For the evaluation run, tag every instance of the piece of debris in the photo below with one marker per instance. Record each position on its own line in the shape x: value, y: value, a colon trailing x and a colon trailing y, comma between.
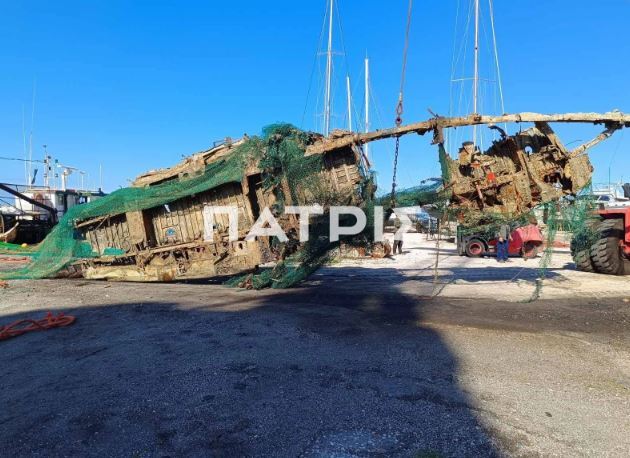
x: 4, y: 284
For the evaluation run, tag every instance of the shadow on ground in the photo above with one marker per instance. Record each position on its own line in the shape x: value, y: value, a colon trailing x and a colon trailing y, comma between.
x: 331, y: 370
x: 387, y: 276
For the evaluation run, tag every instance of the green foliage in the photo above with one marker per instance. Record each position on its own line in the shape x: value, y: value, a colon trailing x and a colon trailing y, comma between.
x: 430, y: 193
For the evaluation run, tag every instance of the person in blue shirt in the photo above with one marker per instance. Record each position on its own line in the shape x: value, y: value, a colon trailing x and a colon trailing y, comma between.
x: 503, y: 241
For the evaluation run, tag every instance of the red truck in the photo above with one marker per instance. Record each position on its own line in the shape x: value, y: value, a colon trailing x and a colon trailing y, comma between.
x: 526, y: 241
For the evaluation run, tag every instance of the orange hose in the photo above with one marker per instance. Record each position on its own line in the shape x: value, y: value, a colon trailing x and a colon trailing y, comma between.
x: 20, y: 327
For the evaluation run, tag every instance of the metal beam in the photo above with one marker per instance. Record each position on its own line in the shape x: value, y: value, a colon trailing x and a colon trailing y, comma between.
x: 611, y: 119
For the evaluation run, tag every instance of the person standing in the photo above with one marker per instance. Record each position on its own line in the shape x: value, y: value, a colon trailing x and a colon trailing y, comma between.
x: 398, y: 238
x: 503, y: 241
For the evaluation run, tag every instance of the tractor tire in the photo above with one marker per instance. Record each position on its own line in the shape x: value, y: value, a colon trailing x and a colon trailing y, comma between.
x: 605, y: 251
x: 475, y: 248
x: 581, y: 253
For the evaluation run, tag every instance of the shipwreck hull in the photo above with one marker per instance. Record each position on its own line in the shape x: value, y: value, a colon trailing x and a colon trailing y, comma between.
x: 173, y: 241
x: 156, y: 231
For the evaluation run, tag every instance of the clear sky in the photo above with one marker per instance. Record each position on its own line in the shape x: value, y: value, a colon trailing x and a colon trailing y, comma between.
x: 134, y: 85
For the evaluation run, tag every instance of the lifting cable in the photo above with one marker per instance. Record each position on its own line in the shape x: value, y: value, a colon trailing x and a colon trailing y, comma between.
x: 399, y: 107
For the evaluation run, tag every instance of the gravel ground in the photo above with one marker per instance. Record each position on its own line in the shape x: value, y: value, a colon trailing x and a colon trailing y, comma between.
x: 364, y: 360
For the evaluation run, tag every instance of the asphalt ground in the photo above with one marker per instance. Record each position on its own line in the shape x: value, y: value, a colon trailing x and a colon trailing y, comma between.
x: 362, y: 360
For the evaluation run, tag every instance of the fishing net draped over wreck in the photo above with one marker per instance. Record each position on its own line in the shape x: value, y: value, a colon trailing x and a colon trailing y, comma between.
x: 157, y: 230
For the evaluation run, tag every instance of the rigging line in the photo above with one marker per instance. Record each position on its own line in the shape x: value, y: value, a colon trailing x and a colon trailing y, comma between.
x: 310, y: 83
x: 616, y: 149
x: 496, y: 58
x: 18, y: 159
x: 450, y: 86
x: 455, y: 54
x: 343, y: 46
x: 341, y: 39
x: 319, y: 97
x: 379, y: 115
x: 30, y: 146
x: 460, y: 48
x: 26, y: 168
x: 399, y: 107
x: 464, y: 102
x: 404, y: 63
x: 358, y: 114
x: 464, y: 49
x: 375, y: 104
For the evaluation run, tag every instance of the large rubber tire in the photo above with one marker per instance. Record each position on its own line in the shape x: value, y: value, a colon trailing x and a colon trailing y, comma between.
x: 530, y: 250
x: 475, y: 248
x: 581, y: 253
x: 605, y: 251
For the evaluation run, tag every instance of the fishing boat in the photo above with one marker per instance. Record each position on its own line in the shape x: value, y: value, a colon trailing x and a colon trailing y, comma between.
x: 29, y: 212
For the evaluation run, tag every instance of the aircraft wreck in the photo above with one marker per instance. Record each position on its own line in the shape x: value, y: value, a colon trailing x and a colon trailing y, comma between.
x: 157, y: 230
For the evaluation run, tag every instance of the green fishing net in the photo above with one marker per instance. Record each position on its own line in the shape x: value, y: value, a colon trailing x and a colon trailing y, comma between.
x: 287, y: 170
x: 13, y: 249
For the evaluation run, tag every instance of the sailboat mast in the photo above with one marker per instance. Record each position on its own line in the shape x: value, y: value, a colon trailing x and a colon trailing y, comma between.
x: 328, y: 71
x: 349, y: 94
x: 476, y: 76
x: 367, y: 103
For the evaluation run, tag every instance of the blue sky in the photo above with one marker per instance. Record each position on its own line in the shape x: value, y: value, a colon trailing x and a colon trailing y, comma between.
x: 136, y: 85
